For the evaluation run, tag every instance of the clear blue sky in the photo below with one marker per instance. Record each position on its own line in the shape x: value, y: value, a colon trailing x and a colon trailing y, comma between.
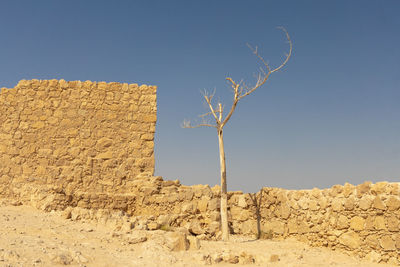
x: 330, y: 117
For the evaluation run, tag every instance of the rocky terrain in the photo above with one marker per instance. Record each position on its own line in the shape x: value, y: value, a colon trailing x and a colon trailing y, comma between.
x: 29, y: 237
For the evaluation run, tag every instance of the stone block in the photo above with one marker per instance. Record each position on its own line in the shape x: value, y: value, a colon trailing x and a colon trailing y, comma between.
x: 189, y: 208
x: 283, y: 211
x: 378, y: 204
x: 240, y: 214
x: 393, y: 203
x: 342, y: 222
x: 202, y: 204
x: 214, y: 204
x: 277, y: 227
x: 379, y: 223
x: 397, y: 241
x: 357, y: 223
x: 176, y: 241
x: 313, y: 205
x: 249, y: 227
x: 303, y: 203
x: 194, y: 243
x: 365, y: 203
x: 337, y: 204
x: 378, y: 188
x: 196, y: 227
x: 105, y: 155
x: 372, y: 241
x: 103, y: 143
x: 351, y: 240
x: 38, y: 125
x: 242, y: 201
x: 392, y: 223
x: 363, y: 189
x: 387, y: 243
x: 349, y: 203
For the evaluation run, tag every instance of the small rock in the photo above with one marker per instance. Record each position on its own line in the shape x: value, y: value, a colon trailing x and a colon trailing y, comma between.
x: 202, y: 258
x: 115, y: 234
x: 213, y: 228
x: 66, y: 214
x: 153, y: 226
x: 194, y: 243
x: 136, y: 238
x: 16, y: 203
x: 62, y: 258
x: 127, y: 226
x: 216, y: 258
x: 274, y: 258
x: 230, y: 258
x: 80, y: 258
x: 164, y: 219
x: 141, y: 225
x: 176, y: 241
x: 196, y: 228
x: 245, y: 258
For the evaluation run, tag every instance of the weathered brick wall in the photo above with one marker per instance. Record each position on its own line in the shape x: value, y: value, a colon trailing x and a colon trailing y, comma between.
x: 75, y: 136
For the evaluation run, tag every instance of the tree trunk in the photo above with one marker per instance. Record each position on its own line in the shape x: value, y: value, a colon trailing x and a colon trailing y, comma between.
x: 224, y: 196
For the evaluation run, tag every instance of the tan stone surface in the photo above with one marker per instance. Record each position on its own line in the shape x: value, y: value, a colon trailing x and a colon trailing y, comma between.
x: 351, y: 240
x: 81, y: 126
x: 357, y: 223
x: 387, y: 243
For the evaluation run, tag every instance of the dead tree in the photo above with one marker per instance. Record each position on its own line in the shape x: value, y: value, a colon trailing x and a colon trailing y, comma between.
x: 240, y: 90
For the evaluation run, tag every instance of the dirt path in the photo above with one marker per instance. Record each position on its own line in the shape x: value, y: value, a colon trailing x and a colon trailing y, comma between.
x: 29, y: 237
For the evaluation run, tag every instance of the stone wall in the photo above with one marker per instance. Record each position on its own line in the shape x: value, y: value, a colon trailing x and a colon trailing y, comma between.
x: 75, y: 136
x: 360, y: 220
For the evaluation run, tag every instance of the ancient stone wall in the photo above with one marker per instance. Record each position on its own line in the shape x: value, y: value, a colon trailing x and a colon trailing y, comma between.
x: 75, y: 136
x: 361, y: 220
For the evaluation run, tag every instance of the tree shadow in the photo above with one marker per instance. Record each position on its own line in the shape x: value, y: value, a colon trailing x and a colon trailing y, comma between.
x: 257, y: 204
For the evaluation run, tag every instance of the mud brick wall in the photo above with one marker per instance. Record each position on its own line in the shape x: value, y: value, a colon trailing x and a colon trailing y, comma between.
x: 75, y: 136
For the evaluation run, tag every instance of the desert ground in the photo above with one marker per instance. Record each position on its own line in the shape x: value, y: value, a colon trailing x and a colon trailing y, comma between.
x: 30, y: 237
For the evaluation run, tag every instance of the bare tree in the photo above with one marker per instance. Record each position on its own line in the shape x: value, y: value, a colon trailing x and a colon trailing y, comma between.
x: 240, y: 90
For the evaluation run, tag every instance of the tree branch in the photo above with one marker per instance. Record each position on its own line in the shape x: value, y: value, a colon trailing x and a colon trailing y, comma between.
x: 208, y: 99
x: 264, y: 75
x: 235, y: 100
x: 187, y: 124
x: 240, y: 89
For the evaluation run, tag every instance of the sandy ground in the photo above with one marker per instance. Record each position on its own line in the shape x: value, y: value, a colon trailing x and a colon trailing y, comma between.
x: 29, y: 237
